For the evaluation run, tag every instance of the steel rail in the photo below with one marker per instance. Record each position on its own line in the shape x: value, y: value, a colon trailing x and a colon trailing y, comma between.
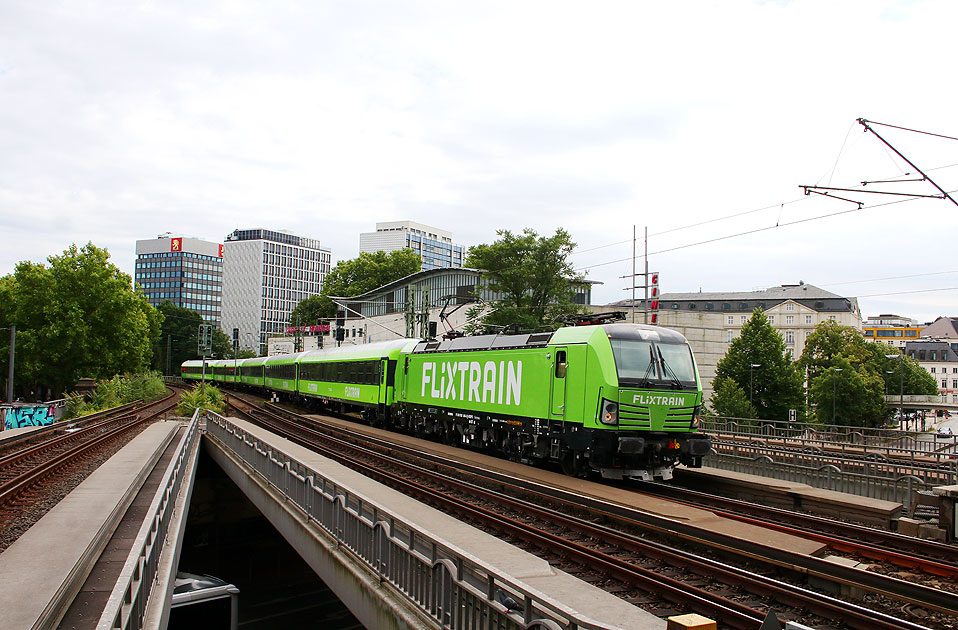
x: 878, y: 540
x: 13, y: 487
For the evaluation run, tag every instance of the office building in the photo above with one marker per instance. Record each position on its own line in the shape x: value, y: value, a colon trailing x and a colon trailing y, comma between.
x: 186, y: 271
x: 711, y: 321
x: 266, y: 273
x: 893, y: 330
x: 433, y: 245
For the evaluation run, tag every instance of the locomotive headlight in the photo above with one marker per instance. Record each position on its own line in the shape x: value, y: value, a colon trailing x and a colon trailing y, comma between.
x: 610, y: 412
x: 695, y: 416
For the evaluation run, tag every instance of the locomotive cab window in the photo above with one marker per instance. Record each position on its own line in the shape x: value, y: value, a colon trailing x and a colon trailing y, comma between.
x: 639, y: 362
x: 561, y: 364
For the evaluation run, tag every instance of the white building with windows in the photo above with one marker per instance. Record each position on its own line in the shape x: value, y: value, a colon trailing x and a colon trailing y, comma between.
x: 711, y: 321
x: 433, y: 245
x: 940, y: 358
x: 266, y: 273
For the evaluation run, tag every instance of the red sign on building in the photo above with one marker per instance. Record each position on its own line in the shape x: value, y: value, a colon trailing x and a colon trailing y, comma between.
x: 176, y: 244
x: 221, y: 250
x: 321, y: 328
x: 654, y: 298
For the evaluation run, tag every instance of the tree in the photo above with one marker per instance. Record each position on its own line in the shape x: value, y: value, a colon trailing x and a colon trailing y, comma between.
x: 311, y: 310
x: 902, y: 374
x: 178, y: 337
x: 352, y: 277
x: 848, y: 393
x: 866, y: 374
x: 758, y: 363
x: 77, y: 317
x: 829, y: 340
x: 534, y: 276
x: 730, y: 400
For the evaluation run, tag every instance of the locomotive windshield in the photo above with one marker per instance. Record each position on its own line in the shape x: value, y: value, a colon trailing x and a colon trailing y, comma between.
x: 643, y: 363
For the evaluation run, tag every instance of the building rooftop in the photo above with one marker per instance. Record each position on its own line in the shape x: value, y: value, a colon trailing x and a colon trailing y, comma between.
x: 818, y: 298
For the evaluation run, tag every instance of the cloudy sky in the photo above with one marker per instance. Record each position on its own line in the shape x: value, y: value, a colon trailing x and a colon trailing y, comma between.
x: 696, y: 120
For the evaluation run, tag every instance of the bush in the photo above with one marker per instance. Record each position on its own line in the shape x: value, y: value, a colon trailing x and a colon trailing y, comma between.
x: 202, y: 397
x: 114, y: 392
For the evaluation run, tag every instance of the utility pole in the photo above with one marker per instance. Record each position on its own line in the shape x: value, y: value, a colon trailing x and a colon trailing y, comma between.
x: 13, y: 344
x: 645, y: 274
x: 633, y: 273
x: 645, y: 313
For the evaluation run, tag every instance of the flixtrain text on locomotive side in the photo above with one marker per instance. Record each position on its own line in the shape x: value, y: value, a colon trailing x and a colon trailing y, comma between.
x: 620, y: 399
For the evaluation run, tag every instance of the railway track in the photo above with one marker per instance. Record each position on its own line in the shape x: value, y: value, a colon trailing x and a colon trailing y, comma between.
x: 928, y: 556
x: 618, y: 548
x: 36, y: 476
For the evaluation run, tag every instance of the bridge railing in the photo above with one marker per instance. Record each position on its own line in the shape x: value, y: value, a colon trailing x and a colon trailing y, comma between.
x: 127, y: 603
x: 443, y: 582
x: 894, y: 442
x: 874, y: 475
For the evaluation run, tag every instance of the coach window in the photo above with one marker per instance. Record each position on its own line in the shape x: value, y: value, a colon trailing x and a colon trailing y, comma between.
x: 561, y: 364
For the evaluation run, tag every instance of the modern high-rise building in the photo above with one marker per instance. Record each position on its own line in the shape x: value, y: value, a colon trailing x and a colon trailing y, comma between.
x: 433, y: 245
x: 186, y: 271
x: 266, y: 273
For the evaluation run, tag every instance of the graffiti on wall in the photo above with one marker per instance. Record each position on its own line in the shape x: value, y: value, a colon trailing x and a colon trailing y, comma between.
x: 29, y: 416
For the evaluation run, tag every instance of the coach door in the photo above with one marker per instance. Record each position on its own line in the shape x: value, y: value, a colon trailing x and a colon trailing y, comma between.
x: 559, y: 367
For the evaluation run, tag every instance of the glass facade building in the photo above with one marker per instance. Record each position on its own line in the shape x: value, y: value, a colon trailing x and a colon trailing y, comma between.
x: 433, y: 245
x: 186, y: 271
x: 266, y: 273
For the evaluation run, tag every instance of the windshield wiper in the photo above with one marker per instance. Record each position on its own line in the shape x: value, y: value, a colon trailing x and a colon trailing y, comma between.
x: 667, y: 370
x: 644, y: 381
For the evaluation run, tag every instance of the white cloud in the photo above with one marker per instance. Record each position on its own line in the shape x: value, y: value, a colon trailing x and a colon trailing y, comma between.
x: 119, y: 122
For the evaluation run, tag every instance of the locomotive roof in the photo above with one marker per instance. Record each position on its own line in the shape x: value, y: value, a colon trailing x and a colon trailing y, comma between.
x: 643, y: 332
x: 485, y: 342
x: 363, y: 351
x: 571, y: 334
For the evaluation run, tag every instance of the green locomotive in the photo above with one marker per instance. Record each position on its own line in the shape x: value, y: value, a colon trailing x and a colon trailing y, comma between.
x: 620, y: 399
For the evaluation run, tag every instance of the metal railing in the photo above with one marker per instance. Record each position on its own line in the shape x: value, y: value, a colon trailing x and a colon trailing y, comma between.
x: 448, y: 585
x: 127, y: 603
x: 886, y: 464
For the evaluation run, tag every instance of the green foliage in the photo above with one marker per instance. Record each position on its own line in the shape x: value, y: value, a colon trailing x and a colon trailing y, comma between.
x: 730, y: 400
x: 201, y: 397
x: 311, y: 310
x: 353, y: 277
x: 116, y: 391
x: 178, y: 333
x: 78, y: 317
x: 534, y: 276
x: 904, y: 375
x: 849, y: 393
x: 849, y: 377
x: 775, y: 382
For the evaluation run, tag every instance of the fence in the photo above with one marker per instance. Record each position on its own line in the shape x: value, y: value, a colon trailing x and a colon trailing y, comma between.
x: 879, y: 463
x: 453, y: 588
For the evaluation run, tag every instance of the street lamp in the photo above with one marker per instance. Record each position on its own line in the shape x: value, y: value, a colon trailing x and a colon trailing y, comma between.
x: 834, y: 391
x: 901, y: 384
x: 750, y: 367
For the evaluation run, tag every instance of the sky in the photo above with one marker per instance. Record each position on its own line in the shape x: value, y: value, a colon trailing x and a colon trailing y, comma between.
x: 694, y: 121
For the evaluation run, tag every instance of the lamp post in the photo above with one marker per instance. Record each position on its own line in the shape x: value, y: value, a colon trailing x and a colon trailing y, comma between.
x: 13, y: 345
x: 834, y: 391
x: 901, y: 384
x: 751, y: 366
